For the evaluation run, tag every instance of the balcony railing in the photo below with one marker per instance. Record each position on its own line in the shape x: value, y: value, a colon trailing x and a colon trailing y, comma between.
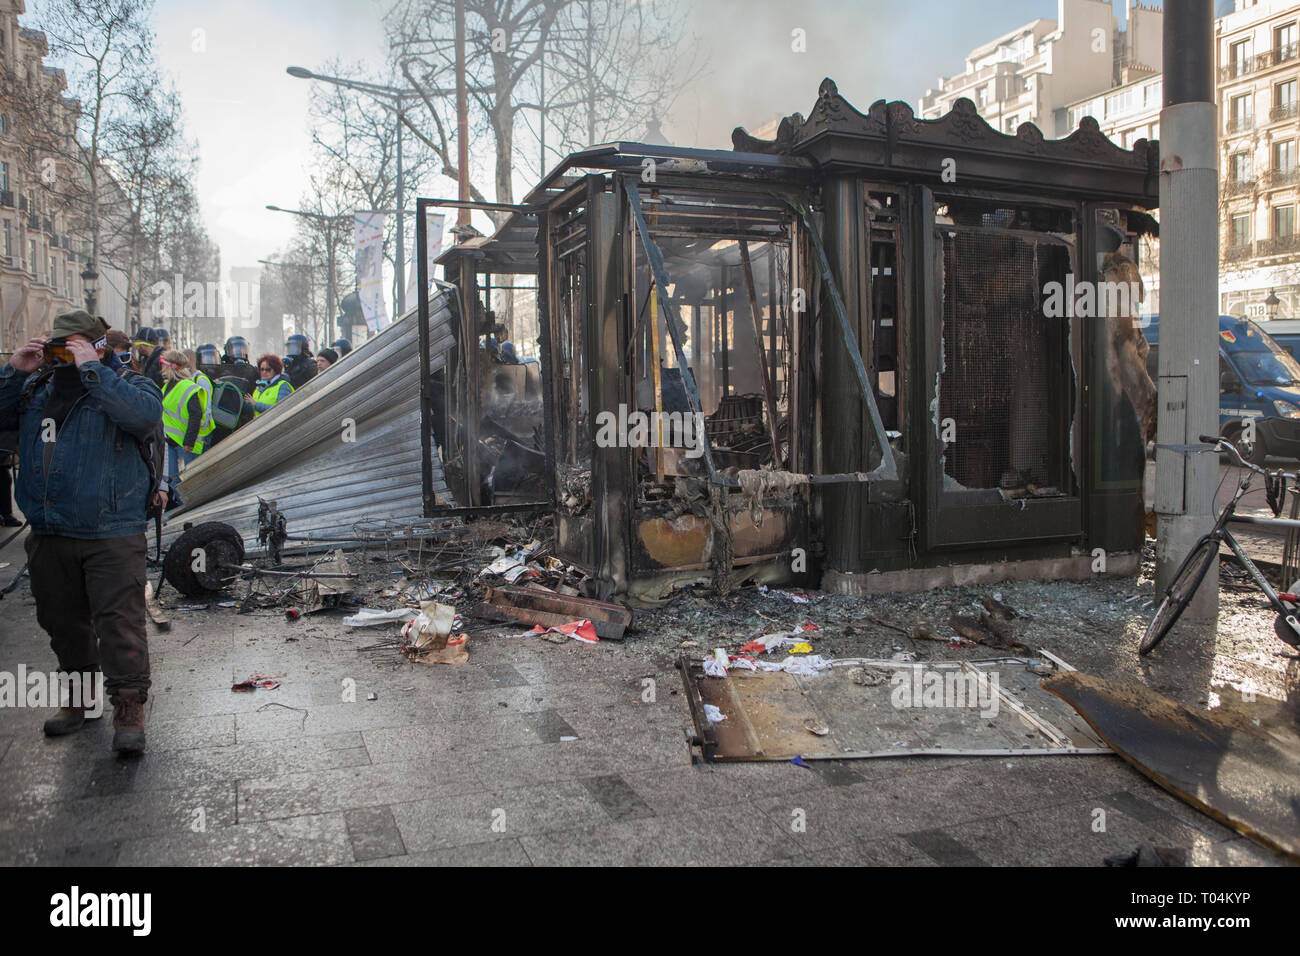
x: 1282, y: 177
x: 1238, y: 252
x: 1236, y: 187
x: 1276, y: 57
x: 1284, y: 111
x: 6, y: 198
x: 1237, y: 68
x: 1279, y: 245
x: 1241, y: 124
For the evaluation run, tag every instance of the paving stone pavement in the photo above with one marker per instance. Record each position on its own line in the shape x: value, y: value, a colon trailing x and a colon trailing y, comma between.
x: 532, y: 754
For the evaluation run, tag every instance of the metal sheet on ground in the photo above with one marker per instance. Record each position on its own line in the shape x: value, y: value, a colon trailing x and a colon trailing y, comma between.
x: 993, y: 708
x: 1247, y: 776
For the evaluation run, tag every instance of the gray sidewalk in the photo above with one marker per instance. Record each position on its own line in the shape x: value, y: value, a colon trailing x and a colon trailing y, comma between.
x: 474, y: 765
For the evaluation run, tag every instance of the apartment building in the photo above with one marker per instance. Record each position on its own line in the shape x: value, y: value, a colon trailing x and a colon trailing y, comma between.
x: 39, y: 262
x: 43, y: 249
x: 1033, y: 73
x: 1258, y: 70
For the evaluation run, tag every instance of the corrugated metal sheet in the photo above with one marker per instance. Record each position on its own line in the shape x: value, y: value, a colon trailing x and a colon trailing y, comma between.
x: 295, y: 453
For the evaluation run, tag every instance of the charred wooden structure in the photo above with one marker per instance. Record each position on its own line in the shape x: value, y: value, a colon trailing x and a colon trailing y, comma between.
x: 856, y: 316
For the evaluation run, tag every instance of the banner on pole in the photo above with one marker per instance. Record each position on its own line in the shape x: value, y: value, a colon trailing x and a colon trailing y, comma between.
x: 368, y: 231
x: 437, y: 221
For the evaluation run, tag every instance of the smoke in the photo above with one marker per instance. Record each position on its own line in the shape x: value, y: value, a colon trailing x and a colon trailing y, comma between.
x: 871, y: 48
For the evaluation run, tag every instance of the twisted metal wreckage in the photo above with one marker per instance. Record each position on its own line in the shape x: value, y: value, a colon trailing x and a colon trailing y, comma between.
x: 855, y: 312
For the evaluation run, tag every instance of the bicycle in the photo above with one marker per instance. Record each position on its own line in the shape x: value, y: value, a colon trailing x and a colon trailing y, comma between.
x: 1197, y: 563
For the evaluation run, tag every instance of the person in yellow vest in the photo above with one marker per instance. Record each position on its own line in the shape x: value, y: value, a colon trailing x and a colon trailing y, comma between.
x: 182, y: 401
x: 274, y: 386
x: 200, y: 378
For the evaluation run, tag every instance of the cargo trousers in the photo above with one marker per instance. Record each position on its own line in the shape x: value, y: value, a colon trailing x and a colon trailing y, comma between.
x: 90, y: 600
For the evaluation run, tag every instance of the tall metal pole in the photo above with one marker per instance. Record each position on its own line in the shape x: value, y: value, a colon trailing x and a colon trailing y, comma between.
x: 1189, y: 260
x: 401, y: 221
x: 329, y: 292
x: 462, y: 118
x: 541, y: 103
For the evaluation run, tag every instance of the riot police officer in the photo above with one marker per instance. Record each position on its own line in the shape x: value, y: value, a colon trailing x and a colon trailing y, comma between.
x: 299, y: 363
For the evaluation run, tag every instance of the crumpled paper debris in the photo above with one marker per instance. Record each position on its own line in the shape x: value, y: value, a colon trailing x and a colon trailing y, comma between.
x: 713, y: 714
x: 583, y: 631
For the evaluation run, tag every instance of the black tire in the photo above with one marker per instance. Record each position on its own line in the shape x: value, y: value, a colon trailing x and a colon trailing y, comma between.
x: 1179, y: 593
x: 221, y: 545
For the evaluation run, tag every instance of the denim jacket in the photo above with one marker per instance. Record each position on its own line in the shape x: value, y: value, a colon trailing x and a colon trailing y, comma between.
x: 91, y: 481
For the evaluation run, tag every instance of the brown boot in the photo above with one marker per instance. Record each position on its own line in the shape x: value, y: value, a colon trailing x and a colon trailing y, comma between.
x: 70, y: 719
x: 128, y: 722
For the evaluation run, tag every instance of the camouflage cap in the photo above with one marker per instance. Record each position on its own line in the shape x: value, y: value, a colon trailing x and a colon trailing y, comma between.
x: 80, y: 322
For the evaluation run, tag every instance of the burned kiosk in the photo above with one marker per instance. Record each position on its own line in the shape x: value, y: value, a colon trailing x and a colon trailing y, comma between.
x: 835, y: 357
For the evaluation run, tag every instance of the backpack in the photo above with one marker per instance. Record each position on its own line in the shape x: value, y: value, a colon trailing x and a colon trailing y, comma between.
x: 227, y: 404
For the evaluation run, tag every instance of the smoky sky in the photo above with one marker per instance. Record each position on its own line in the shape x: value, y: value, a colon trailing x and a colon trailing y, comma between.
x: 871, y: 48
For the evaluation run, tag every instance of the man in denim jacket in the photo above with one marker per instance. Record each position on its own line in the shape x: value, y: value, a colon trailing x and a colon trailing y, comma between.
x: 84, y: 486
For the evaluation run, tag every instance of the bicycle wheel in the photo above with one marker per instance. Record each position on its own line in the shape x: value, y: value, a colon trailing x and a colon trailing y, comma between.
x: 1179, y: 593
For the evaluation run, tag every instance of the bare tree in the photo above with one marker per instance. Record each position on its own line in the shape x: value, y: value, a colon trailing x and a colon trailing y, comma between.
x: 356, y: 145
x: 614, y: 65
x: 108, y: 50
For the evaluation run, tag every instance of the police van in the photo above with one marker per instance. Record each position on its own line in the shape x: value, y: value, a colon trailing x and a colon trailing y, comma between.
x: 1258, y: 378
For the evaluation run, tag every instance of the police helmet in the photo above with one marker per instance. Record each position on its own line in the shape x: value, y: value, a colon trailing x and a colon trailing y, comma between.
x: 236, y: 349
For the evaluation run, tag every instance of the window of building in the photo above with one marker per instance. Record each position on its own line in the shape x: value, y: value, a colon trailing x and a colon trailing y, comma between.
x: 53, y: 275
x: 1119, y: 103
x: 1284, y: 42
x: 1240, y: 235
x: 1242, y: 112
x: 1240, y: 166
x: 982, y: 97
x: 4, y: 176
x: 1284, y: 99
x: 1011, y: 123
x: 31, y: 256
x: 1283, y: 222
x: 4, y: 124
x: 8, y: 239
x: 1284, y: 156
x: 1239, y: 57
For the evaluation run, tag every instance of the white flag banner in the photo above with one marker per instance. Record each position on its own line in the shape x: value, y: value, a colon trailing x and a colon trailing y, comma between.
x: 368, y: 231
x: 436, y: 223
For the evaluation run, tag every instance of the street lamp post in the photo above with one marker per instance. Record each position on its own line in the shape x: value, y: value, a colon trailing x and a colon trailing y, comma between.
x: 89, y: 277
x: 329, y: 253
x: 394, y: 98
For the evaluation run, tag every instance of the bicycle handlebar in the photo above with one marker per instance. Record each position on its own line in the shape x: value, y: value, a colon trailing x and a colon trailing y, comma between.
x: 1222, y: 444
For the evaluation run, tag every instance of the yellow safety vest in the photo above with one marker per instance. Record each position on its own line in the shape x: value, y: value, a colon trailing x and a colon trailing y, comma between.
x: 272, y: 395
x: 176, y: 397
x: 209, y: 426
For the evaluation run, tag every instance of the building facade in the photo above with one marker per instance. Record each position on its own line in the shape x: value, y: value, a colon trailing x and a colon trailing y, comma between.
x: 1032, y: 73
x: 1127, y: 113
x: 1257, y: 56
x: 43, y: 249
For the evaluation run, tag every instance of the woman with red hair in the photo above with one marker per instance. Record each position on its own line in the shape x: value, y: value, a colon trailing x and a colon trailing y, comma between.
x: 274, y: 384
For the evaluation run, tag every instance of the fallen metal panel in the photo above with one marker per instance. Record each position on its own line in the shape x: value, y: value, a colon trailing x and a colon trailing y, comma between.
x: 1245, y: 775
x: 364, y: 385
x: 295, y: 454
x: 532, y: 606
x: 769, y: 715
